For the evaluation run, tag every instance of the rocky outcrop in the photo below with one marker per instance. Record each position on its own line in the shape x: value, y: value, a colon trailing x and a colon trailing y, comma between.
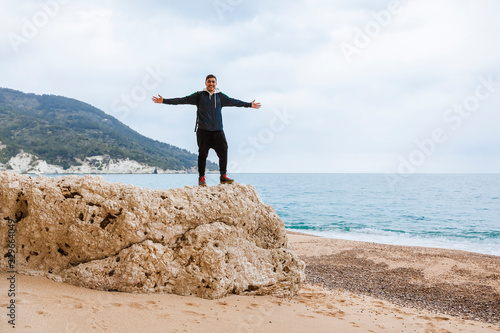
x: 208, y: 242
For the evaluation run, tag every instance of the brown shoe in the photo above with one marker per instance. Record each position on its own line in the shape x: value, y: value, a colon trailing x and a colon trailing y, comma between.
x: 224, y: 179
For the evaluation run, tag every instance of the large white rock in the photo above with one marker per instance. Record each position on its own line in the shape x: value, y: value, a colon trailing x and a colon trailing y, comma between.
x: 208, y: 242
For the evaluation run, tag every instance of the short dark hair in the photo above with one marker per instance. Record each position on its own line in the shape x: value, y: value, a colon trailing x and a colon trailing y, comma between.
x: 209, y: 76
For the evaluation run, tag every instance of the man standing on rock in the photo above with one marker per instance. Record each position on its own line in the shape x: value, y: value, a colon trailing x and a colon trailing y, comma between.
x: 209, y: 131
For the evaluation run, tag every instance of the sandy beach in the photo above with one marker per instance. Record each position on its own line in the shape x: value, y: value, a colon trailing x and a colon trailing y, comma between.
x: 351, y: 287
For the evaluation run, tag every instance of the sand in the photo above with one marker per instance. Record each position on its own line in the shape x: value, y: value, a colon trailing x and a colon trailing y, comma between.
x: 352, y: 287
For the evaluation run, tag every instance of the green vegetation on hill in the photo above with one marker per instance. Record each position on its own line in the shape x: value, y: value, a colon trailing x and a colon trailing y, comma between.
x: 59, y: 129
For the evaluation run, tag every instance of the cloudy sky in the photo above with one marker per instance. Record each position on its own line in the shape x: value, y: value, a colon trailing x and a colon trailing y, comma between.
x: 346, y: 86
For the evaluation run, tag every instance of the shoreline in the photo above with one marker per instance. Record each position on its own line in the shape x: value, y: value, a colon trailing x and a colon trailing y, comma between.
x: 397, y: 234
x: 484, y: 244
x: 293, y: 231
x: 336, y: 297
x: 452, y: 282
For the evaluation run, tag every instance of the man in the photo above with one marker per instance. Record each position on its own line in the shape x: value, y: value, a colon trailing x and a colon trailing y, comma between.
x: 209, y: 131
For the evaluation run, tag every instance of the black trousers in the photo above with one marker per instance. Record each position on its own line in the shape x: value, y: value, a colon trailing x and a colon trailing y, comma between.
x: 215, y: 140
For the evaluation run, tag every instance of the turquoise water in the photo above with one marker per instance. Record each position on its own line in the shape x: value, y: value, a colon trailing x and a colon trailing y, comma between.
x: 455, y: 211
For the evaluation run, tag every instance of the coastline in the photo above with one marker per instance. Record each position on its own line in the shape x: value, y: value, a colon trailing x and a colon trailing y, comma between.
x: 412, y: 241
x: 351, y: 287
x: 452, y: 282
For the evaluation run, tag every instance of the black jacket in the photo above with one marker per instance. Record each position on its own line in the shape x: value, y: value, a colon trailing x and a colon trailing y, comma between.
x: 209, y: 113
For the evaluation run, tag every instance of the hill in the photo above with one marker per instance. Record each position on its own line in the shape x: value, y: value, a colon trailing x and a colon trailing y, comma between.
x: 64, y: 132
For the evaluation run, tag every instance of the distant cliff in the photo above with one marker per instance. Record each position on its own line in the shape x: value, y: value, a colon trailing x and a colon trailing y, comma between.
x: 54, y: 134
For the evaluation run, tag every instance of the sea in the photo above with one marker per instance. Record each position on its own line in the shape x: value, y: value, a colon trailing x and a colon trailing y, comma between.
x: 451, y: 211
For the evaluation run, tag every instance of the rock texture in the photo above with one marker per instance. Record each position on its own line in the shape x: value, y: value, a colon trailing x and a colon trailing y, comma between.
x: 208, y: 242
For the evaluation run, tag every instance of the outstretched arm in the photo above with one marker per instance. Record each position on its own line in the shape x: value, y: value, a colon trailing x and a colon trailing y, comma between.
x: 228, y: 101
x: 191, y: 99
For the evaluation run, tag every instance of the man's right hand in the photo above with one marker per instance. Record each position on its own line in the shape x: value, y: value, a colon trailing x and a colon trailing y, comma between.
x: 158, y: 99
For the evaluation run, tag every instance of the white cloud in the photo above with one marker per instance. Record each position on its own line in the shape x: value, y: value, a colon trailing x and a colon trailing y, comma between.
x: 351, y: 117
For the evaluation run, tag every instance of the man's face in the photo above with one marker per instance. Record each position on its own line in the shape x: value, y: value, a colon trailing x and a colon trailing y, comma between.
x: 211, y: 83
